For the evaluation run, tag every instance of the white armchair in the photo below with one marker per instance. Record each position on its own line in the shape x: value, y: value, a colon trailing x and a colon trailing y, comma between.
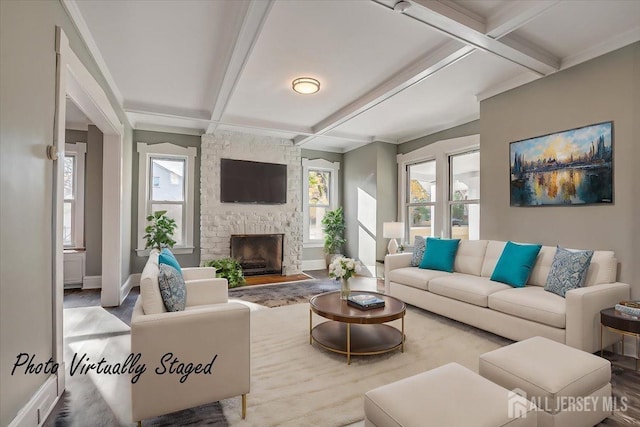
x: 211, y: 331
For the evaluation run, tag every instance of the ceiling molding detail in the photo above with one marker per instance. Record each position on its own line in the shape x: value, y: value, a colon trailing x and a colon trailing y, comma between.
x: 415, y: 73
x: 254, y: 19
x: 448, y: 21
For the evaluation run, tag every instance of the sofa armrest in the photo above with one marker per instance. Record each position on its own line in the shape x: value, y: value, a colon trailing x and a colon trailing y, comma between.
x: 218, y: 333
x: 393, y: 261
x: 197, y: 273
x: 583, y: 314
x: 206, y: 291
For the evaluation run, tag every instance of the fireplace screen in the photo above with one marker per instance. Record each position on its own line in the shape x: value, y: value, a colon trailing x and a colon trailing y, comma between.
x: 258, y: 253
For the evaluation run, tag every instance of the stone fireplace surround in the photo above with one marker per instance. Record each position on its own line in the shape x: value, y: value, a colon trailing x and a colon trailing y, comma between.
x: 218, y: 221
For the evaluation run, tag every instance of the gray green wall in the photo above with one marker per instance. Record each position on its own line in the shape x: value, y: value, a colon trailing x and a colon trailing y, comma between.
x: 370, y: 172
x: 602, y: 89
x: 187, y: 260
x: 318, y: 253
x: 471, y: 128
x: 92, y: 196
x: 27, y: 109
x: 93, y: 202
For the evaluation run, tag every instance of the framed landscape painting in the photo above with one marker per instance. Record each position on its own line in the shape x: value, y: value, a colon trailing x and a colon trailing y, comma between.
x: 573, y: 167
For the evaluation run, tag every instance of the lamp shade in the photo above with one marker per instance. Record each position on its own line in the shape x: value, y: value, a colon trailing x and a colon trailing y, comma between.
x: 393, y: 230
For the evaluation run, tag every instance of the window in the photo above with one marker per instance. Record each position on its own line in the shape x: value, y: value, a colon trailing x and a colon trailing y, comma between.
x: 320, y: 194
x: 166, y: 183
x: 464, y: 195
x: 441, y: 194
x: 421, y: 199
x: 73, y: 211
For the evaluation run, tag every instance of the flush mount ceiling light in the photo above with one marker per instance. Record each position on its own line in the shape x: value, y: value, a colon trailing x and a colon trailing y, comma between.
x: 305, y: 85
x: 402, y: 6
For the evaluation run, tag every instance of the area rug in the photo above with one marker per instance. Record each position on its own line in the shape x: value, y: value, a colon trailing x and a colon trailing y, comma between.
x: 296, y: 384
x: 283, y: 294
x: 276, y: 279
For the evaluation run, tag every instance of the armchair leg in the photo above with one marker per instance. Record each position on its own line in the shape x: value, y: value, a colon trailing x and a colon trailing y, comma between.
x: 244, y: 406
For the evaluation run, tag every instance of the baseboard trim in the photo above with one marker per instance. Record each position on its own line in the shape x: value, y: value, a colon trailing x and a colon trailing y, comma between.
x: 132, y: 281
x: 314, y: 264
x: 38, y: 408
x: 92, y: 282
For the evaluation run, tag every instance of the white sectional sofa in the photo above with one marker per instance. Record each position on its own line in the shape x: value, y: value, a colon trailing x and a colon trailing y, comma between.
x: 469, y: 295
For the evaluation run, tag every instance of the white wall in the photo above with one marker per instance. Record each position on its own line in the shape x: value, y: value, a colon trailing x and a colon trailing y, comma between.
x: 599, y: 90
x: 220, y: 220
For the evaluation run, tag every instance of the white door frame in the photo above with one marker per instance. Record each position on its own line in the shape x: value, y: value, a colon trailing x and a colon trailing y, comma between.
x: 74, y: 80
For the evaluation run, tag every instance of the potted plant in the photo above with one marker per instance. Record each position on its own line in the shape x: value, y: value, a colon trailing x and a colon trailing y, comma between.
x: 230, y: 269
x: 333, y: 227
x: 160, y: 231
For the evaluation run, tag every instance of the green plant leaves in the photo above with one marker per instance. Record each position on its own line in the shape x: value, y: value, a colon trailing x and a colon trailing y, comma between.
x: 230, y: 269
x: 333, y: 226
x: 160, y: 231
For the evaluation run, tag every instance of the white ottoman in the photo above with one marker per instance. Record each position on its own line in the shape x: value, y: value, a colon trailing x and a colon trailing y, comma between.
x: 450, y: 396
x: 570, y: 387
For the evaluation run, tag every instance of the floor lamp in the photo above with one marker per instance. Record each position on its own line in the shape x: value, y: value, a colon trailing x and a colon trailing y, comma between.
x: 393, y: 231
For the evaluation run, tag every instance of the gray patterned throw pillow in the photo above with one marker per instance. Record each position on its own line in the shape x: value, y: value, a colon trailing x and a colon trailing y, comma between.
x: 419, y: 245
x: 172, y: 288
x: 568, y: 270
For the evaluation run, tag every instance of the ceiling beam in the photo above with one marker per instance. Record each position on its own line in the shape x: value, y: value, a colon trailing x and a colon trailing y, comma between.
x: 407, y: 77
x: 252, y: 23
x: 514, y: 15
x: 239, y: 123
x: 448, y: 21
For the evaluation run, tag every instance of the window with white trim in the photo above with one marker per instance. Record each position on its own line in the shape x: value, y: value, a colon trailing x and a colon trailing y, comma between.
x: 166, y: 183
x: 319, y: 195
x: 464, y: 195
x: 440, y: 189
x: 73, y: 211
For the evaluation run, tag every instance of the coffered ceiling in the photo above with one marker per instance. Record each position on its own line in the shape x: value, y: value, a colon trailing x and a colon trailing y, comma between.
x: 385, y: 75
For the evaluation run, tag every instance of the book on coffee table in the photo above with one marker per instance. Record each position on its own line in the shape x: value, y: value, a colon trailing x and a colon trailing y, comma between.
x: 365, y: 302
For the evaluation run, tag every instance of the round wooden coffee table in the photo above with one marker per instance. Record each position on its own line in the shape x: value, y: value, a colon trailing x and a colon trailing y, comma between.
x: 355, y: 332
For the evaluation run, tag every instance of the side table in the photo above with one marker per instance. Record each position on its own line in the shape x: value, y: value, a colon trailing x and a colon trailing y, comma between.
x: 622, y: 324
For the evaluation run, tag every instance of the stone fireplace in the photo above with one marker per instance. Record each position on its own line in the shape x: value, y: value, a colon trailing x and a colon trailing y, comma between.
x: 258, y: 253
x: 219, y: 221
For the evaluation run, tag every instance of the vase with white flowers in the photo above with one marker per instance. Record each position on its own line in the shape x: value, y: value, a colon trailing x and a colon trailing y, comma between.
x: 343, y: 269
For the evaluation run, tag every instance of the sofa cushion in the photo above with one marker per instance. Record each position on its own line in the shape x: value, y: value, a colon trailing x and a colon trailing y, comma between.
x: 515, y: 263
x: 470, y: 256
x: 172, y: 288
x: 568, y: 271
x: 466, y: 287
x: 149, y: 290
x: 440, y: 254
x: 414, y: 276
x: 491, y: 257
x: 603, y: 268
x: 542, y: 266
x: 531, y: 303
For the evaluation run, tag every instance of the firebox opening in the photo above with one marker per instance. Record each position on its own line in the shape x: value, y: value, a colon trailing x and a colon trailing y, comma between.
x: 258, y: 253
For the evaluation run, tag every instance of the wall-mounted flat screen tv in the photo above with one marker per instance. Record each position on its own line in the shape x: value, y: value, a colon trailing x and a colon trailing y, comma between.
x: 243, y: 181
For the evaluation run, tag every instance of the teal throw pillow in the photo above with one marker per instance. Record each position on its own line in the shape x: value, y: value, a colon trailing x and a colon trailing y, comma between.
x: 440, y: 254
x: 568, y: 270
x: 167, y: 257
x: 172, y: 288
x: 515, y: 264
x: 418, y: 251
